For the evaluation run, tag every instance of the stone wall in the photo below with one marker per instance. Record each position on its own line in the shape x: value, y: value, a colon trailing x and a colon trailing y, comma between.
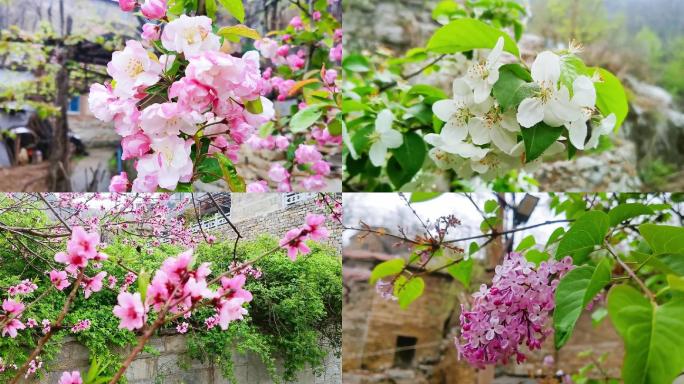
x: 172, y: 366
x: 256, y: 214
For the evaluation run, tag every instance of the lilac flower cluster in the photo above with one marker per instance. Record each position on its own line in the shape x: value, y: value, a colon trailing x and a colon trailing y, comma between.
x: 513, y: 312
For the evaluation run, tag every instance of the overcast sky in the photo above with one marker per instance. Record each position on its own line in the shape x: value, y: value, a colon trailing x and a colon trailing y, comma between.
x: 389, y: 210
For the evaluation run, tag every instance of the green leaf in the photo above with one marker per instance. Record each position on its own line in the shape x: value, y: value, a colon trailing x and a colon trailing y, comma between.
x: 335, y: 127
x: 467, y: 34
x: 571, y: 67
x: 419, y: 197
x: 431, y: 94
x: 536, y: 256
x: 510, y: 90
x: 653, y: 335
x: 611, y: 96
x: 538, y: 139
x: 491, y: 206
x: 387, y: 268
x: 254, y: 106
x: 526, y: 243
x: 356, y: 63
x: 584, y: 234
x: 406, y: 160
x: 235, y: 8
x: 598, y: 315
x: 211, y: 8
x: 303, y: 119
x: 575, y: 290
x: 663, y: 239
x: 675, y: 282
x: 209, y: 170
x: 408, y: 291
x: 143, y: 283
x: 627, y: 211
x: 557, y: 233
x: 473, y: 247
x: 462, y: 271
x: 235, y: 32
x: 235, y: 182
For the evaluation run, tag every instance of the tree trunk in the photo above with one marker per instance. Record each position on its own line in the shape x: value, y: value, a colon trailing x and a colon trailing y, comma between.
x: 59, y: 180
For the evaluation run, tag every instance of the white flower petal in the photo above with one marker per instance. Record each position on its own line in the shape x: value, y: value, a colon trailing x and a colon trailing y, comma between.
x: 377, y: 154
x: 578, y: 133
x: 384, y: 120
x: 482, y: 90
x: 479, y: 131
x: 460, y: 88
x: 503, y: 139
x: 559, y: 112
x: 479, y: 167
x: 453, y: 132
x: 584, y: 93
x: 509, y: 122
x: 546, y: 67
x: 530, y: 112
x: 391, y: 138
x: 444, y: 109
x: 495, y: 54
x: 434, y: 139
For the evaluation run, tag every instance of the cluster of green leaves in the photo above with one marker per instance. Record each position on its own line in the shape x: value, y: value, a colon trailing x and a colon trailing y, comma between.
x: 295, y: 317
x: 648, y: 322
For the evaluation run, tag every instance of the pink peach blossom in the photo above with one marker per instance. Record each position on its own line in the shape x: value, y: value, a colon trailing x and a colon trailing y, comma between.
x: 307, y: 154
x: 12, y: 327
x: 130, y: 310
x: 13, y: 307
x: 313, y: 183
x: 93, y: 284
x: 293, y: 243
x: 278, y: 173
x: 83, y: 243
x: 59, y: 279
x: 230, y: 310
x: 314, y: 227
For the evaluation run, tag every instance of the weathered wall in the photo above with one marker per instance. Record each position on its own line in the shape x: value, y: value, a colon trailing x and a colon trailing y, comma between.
x: 172, y: 366
x: 256, y: 214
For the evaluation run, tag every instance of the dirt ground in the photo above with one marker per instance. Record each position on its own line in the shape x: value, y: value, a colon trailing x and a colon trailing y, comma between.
x: 24, y: 178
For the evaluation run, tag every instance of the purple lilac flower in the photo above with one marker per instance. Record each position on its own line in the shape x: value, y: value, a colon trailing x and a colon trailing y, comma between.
x: 513, y: 312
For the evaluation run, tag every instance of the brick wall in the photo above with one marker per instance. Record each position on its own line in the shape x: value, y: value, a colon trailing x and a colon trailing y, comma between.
x: 257, y: 214
x: 171, y: 366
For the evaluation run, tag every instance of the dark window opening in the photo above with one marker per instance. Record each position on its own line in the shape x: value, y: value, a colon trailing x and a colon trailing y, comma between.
x: 405, y: 351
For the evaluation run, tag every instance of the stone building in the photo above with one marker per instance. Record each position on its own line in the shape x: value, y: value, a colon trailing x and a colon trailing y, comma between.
x: 384, y: 344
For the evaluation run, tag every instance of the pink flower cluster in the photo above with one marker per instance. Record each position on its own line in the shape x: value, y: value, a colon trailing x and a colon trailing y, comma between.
x: 512, y: 312
x: 294, y: 240
x: 208, y: 98
x: 81, y: 326
x: 23, y: 288
x: 178, y: 288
